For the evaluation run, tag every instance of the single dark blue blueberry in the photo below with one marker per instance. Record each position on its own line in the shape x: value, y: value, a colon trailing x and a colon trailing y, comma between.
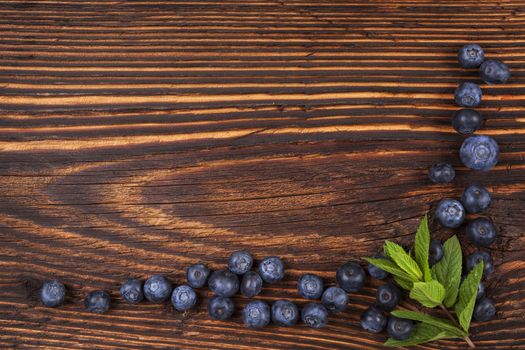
x: 351, y: 277
x: 334, y: 299
x: 399, y: 328
x: 481, y: 232
x: 479, y: 152
x: 314, y: 315
x: 466, y: 121
x: 157, y: 289
x: 474, y: 258
x: 310, y: 286
x: 494, y: 72
x: 471, y: 56
x: 285, y: 313
x: 220, y: 308
x: 97, y: 301
x: 256, y: 314
x: 485, y: 310
x: 131, y: 291
x: 197, y: 275
x: 224, y: 283
x: 251, y: 284
x: 468, y: 95
x: 435, y: 252
x: 475, y: 199
x: 240, y: 262
x: 375, y: 271
x: 183, y: 298
x: 387, y: 296
x: 441, y: 173
x: 271, y: 269
x: 373, y: 320
x: 450, y: 213
x: 52, y: 293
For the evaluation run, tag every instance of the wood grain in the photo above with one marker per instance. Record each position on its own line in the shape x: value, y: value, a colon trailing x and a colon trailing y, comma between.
x: 139, y: 137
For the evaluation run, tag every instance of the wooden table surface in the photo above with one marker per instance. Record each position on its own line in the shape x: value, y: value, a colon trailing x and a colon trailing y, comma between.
x: 139, y: 137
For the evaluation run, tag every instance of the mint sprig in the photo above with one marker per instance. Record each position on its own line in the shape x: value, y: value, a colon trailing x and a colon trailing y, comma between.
x: 422, y: 247
x: 448, y: 270
x: 429, y: 294
x: 438, y: 286
x: 467, y: 296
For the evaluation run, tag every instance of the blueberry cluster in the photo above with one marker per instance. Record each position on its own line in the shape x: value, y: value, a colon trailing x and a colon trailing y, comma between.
x: 375, y: 319
x: 478, y: 152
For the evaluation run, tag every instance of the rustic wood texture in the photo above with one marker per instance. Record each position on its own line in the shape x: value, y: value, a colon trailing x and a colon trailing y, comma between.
x: 139, y: 137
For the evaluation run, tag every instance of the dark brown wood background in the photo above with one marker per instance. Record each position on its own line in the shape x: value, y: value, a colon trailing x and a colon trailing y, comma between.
x: 139, y: 137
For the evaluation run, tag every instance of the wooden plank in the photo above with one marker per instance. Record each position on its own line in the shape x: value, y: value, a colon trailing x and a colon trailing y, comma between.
x: 141, y: 137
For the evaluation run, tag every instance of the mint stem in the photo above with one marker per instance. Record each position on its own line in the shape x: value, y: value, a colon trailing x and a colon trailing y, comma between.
x: 467, y: 339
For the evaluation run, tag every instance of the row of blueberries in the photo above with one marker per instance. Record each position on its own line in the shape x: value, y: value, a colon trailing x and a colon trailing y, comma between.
x: 478, y: 152
x: 225, y: 283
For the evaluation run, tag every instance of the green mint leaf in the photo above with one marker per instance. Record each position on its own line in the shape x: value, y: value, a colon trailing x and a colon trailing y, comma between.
x: 403, y: 260
x: 422, y: 333
x: 429, y: 294
x: 467, y: 296
x: 388, y: 266
x: 448, y: 270
x: 442, y: 323
x: 404, y: 283
x: 421, y: 248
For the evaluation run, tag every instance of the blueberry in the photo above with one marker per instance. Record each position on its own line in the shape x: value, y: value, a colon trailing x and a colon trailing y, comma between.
x: 224, y: 283
x: 310, y: 286
x: 131, y: 291
x: 399, y: 328
x: 450, y: 213
x: 256, y: 314
x: 435, y: 252
x: 468, y: 95
x: 220, y: 308
x: 285, y: 313
x: 314, y: 315
x: 466, y: 121
x: 475, y: 199
x: 334, y: 299
x: 351, y: 277
x: 157, y: 289
x: 485, y: 310
x: 52, y: 293
x: 97, y: 301
x: 481, y: 232
x: 240, y: 262
x: 271, y: 269
x: 479, y: 152
x: 373, y: 320
x: 476, y: 257
x: 494, y: 72
x: 183, y: 298
x: 251, y: 284
x: 471, y: 56
x: 441, y: 173
x: 387, y: 296
x: 375, y: 271
x: 197, y: 275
